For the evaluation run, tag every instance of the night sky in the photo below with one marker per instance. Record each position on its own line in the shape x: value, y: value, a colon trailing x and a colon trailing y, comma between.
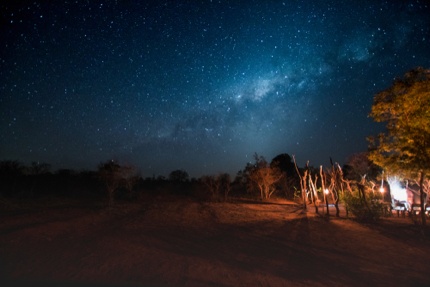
x: 199, y: 85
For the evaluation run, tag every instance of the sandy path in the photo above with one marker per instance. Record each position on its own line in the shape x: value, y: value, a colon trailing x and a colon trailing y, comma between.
x: 184, y: 243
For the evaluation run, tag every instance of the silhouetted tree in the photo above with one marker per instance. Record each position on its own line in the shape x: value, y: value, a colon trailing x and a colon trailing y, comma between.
x: 110, y: 173
x: 359, y: 165
x: 38, y: 168
x: 38, y: 172
x: 129, y: 178
x: 10, y: 173
x: 212, y: 184
x: 225, y: 184
x: 290, y: 181
x: 179, y: 175
x: 217, y: 185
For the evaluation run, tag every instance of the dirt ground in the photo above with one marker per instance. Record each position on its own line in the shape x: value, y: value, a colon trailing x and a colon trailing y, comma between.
x: 173, y: 241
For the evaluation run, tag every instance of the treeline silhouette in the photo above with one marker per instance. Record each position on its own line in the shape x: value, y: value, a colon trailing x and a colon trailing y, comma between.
x: 19, y: 181
x: 112, y: 183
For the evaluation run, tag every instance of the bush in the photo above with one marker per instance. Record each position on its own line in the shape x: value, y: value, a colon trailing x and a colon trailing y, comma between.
x: 367, y: 210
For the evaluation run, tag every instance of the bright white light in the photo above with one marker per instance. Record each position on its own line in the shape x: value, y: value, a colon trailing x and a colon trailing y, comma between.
x: 326, y: 191
x: 397, y: 192
x: 381, y: 190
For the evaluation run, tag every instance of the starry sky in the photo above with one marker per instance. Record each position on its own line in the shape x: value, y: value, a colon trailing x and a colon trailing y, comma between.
x: 199, y: 85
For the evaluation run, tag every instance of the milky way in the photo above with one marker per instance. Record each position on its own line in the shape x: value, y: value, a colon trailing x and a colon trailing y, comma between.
x: 199, y: 85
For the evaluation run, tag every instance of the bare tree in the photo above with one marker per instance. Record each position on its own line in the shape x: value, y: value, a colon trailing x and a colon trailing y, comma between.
x: 217, y: 185
x: 212, y: 184
x: 336, y: 186
x: 324, y: 189
x: 303, y: 180
x: 225, y: 184
x: 314, y: 192
x: 264, y: 177
x: 129, y: 178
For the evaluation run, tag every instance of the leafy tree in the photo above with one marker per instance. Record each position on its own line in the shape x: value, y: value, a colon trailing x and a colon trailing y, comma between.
x: 285, y: 163
x: 358, y: 166
x: 291, y: 181
x: 368, y: 209
x: 404, y: 148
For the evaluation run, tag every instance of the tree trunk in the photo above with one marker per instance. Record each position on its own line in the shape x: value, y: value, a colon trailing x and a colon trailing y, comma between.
x: 267, y: 192
x: 422, y: 199
x: 302, y: 183
x: 363, y: 195
x: 323, y: 189
x: 305, y: 197
x: 314, y: 193
x: 336, y: 205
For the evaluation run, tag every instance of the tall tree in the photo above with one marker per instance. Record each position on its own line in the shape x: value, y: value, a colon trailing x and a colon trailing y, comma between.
x: 303, y: 180
x: 404, y: 148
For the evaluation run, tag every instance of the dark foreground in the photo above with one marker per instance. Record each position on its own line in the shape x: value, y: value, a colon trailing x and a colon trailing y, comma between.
x: 173, y: 241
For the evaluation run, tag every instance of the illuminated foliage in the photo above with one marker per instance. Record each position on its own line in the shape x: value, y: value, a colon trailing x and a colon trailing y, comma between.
x: 404, y: 148
x: 367, y: 209
x: 405, y: 107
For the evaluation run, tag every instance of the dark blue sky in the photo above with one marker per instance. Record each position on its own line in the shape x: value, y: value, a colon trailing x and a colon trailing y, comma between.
x: 199, y: 85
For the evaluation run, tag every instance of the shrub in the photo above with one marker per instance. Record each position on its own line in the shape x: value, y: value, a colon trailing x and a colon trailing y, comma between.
x: 365, y: 209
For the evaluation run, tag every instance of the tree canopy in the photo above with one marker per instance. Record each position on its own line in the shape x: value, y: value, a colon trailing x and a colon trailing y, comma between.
x: 404, y: 149
x: 405, y: 107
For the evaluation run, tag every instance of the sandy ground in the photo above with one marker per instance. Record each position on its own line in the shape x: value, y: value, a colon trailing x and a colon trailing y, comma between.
x: 174, y: 241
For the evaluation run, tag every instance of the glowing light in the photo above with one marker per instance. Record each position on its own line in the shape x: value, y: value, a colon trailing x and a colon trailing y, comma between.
x: 381, y: 189
x: 326, y: 191
x: 397, y: 192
